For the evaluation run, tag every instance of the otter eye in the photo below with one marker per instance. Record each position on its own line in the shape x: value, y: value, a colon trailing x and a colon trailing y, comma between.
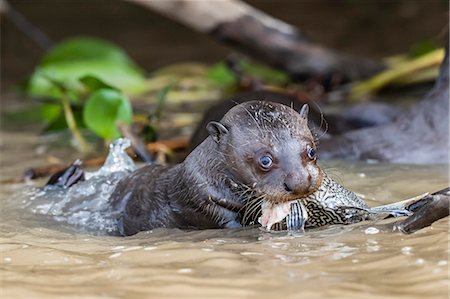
x: 265, y: 162
x: 311, y: 153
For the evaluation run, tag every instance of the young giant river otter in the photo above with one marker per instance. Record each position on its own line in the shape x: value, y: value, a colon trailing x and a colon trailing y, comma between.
x: 259, y: 150
x: 257, y: 165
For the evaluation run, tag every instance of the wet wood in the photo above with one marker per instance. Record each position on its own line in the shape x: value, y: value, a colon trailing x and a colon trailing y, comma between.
x: 138, y: 146
x: 263, y: 37
x: 174, y: 144
x: 429, y: 209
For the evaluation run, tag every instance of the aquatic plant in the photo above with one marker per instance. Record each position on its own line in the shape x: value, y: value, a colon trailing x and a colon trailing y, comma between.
x: 92, y: 76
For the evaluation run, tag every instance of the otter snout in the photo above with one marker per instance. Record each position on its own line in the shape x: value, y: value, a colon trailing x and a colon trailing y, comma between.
x: 297, y: 184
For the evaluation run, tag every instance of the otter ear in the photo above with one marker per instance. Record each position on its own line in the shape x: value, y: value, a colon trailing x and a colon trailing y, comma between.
x: 216, y: 130
x: 304, y: 111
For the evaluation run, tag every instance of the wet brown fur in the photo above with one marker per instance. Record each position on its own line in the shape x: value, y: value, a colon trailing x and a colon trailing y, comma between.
x: 220, y: 184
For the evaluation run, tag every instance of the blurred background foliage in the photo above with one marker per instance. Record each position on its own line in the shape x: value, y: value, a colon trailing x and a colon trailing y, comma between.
x: 114, y: 63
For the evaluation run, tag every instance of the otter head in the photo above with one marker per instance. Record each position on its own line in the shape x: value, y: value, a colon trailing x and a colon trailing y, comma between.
x: 268, y: 147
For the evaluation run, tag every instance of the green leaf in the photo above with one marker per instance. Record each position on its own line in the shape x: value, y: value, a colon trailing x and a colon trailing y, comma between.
x: 265, y: 73
x: 85, y: 48
x: 222, y: 75
x: 422, y: 48
x: 78, y: 58
x: 50, y: 112
x: 60, y: 123
x: 121, y: 76
x: 104, y: 109
x: 92, y: 83
x: 41, y: 113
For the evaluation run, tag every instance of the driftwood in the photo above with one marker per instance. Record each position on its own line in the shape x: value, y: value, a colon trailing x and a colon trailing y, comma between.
x: 33, y: 32
x: 138, y: 146
x: 426, y: 211
x: 264, y: 37
x: 418, y: 136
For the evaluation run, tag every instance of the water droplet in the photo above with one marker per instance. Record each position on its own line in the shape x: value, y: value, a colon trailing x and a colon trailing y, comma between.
x: 251, y: 253
x: 132, y: 248
x: 7, y: 260
x: 373, y: 248
x: 407, y: 250
x: 371, y: 231
x: 117, y: 254
x: 184, y: 270
x: 442, y: 263
x: 150, y: 248
x: 117, y: 248
x: 420, y: 261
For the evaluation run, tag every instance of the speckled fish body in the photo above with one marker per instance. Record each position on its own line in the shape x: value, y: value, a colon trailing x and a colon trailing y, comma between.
x: 334, y: 204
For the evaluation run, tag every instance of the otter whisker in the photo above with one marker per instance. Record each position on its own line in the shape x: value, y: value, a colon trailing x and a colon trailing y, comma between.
x: 253, y: 215
x: 248, y: 206
x: 253, y: 208
x: 246, y: 218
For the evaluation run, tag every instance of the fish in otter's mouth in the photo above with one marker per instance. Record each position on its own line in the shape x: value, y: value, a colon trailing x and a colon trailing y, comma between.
x: 330, y: 204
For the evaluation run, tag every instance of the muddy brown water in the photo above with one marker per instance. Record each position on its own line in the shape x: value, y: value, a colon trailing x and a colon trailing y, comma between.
x: 42, y: 259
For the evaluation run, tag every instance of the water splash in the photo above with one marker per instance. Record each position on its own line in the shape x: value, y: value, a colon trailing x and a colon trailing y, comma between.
x: 86, y: 204
x: 117, y: 159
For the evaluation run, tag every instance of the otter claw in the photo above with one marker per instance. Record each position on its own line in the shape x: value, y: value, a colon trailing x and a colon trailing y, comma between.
x: 68, y: 176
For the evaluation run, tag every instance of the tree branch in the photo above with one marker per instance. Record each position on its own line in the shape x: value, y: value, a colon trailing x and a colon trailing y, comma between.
x: 263, y: 37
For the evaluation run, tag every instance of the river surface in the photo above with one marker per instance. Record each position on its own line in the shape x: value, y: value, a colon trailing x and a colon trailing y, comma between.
x: 41, y: 258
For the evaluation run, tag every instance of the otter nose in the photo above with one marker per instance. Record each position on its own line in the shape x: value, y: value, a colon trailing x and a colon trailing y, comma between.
x: 297, y: 184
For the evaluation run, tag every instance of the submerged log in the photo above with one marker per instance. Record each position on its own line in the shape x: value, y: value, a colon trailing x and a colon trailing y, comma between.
x: 419, y: 135
x: 264, y: 37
